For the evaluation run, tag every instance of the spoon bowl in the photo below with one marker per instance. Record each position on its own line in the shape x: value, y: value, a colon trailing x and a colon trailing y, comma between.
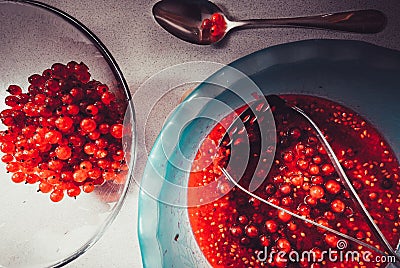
x: 185, y: 20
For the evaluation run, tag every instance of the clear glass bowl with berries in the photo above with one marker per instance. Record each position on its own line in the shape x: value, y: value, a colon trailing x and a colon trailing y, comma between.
x: 349, y: 90
x: 66, y: 135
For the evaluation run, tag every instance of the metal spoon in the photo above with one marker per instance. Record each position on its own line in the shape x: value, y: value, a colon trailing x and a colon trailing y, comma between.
x: 183, y: 19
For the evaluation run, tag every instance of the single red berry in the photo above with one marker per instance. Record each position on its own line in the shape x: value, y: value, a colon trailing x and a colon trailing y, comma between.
x: 304, y: 210
x: 73, y: 109
x: 90, y: 148
x: 332, y: 186
x: 338, y: 206
x: 242, y: 219
x: 88, y: 125
x: 271, y: 226
x: 288, y: 157
x: 11, y: 101
x: 14, y: 90
x: 94, y: 173
x: 7, y: 147
x: 251, y: 231
x: 283, y: 245
x: 64, y: 123
x: 285, y: 189
x: 317, y: 192
x: 216, y: 30
x: 331, y: 240
x: 94, y: 135
x: 328, y: 169
x: 7, y: 158
x: 88, y: 187
x: 63, y: 152
x: 66, y: 176
x: 53, y: 85
x: 101, y: 89
x: 73, y: 190
x: 206, y: 24
x: 92, y: 110
x: 283, y: 216
x: 56, y: 165
x: 101, y: 143
x: 236, y: 231
x: 32, y: 178
x: 86, y: 165
x: 297, y: 180
x: 317, y: 160
x: 45, y: 187
x: 217, y: 18
x: 116, y: 131
x: 302, y: 164
x: 80, y: 175
x: 19, y: 177
x: 13, y: 167
x: 77, y: 94
x: 57, y: 195
x: 287, y: 201
x: 314, y: 169
x: 310, y: 200
x: 265, y: 241
x: 53, y: 136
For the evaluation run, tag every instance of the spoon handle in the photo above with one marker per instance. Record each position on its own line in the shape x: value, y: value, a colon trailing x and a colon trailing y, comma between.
x: 358, y: 21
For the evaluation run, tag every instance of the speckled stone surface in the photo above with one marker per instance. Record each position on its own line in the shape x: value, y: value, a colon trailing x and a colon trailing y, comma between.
x: 142, y: 49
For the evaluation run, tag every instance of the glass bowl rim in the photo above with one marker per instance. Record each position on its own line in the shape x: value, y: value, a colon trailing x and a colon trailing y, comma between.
x: 121, y: 80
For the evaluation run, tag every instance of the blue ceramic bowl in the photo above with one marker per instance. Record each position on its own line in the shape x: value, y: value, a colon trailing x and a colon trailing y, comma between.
x: 359, y: 75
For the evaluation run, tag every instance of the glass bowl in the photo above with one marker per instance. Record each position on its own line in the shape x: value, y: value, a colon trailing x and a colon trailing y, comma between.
x: 361, y: 76
x: 36, y: 232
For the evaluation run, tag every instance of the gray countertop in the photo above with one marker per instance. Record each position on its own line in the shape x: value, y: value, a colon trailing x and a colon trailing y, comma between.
x: 142, y: 48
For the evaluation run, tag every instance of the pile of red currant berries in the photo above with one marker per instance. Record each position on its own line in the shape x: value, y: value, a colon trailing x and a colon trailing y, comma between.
x: 215, y: 26
x: 64, y: 133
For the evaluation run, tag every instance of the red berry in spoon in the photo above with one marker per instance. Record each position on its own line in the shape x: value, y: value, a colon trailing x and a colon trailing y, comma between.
x: 215, y: 26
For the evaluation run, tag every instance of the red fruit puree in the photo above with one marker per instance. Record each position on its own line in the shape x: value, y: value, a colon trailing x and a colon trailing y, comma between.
x: 233, y: 230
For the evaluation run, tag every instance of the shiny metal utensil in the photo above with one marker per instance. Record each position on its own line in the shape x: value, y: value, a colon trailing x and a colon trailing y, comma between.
x: 280, y: 103
x: 183, y: 19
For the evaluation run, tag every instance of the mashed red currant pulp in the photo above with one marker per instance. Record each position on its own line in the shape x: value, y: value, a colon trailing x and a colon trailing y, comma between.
x: 64, y: 133
x: 232, y: 230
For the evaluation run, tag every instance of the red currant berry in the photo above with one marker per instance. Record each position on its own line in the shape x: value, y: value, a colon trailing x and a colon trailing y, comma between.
x: 80, y: 175
x: 317, y: 192
x: 63, y: 152
x: 88, y: 125
x: 14, y: 90
x: 45, y: 187
x: 92, y: 110
x: 90, y: 148
x: 88, y: 187
x: 116, y: 131
x: 53, y: 136
x: 107, y: 98
x: 18, y: 177
x: 64, y: 123
x: 73, y: 190
x: 57, y: 195
x: 206, y: 24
